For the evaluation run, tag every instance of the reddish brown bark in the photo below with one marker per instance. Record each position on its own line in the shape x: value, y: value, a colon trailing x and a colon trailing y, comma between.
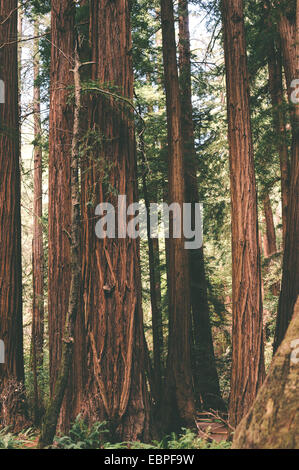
x: 116, y: 386
x: 12, y: 411
x: 179, y: 406
x: 247, y: 333
x: 205, y: 372
x: 37, y: 333
x: 65, y: 366
x: 289, y: 33
x: 60, y: 129
x: 60, y: 210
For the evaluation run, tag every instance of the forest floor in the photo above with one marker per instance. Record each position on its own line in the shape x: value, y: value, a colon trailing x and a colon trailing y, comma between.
x: 212, y: 431
x: 212, y: 428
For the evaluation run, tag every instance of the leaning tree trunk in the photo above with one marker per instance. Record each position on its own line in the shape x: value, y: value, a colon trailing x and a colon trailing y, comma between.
x: 12, y: 412
x: 247, y: 333
x: 179, y: 406
x: 37, y: 336
x: 289, y: 32
x: 273, y: 420
x: 111, y: 275
x: 205, y: 372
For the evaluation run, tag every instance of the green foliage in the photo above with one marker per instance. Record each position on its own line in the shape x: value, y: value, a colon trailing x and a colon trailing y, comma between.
x: 82, y: 437
x: 8, y: 440
x: 11, y: 441
x: 189, y: 440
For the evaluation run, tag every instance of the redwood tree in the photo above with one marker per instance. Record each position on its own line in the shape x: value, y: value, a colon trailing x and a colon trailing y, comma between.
x: 279, y: 120
x: 65, y: 366
x: 37, y: 338
x: 247, y: 333
x: 11, y: 331
x: 205, y: 371
x: 115, y: 388
x: 179, y: 403
x: 60, y: 207
x: 289, y: 33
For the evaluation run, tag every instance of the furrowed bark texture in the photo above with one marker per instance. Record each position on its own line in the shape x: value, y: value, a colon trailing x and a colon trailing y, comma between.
x: 179, y: 398
x: 273, y: 420
x: 247, y: 333
x: 60, y: 205
x: 65, y: 366
x: 205, y: 372
x: 12, y: 411
x: 37, y: 333
x: 115, y: 383
x: 289, y: 33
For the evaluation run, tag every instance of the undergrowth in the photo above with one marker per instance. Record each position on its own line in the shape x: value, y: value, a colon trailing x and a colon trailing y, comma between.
x: 81, y: 436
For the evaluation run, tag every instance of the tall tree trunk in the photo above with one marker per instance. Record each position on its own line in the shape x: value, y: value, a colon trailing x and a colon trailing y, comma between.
x: 155, y: 291
x: 65, y: 366
x: 60, y: 203
x: 276, y: 91
x: 205, y: 371
x: 111, y: 275
x: 12, y: 412
x: 289, y: 33
x: 273, y: 420
x: 247, y: 334
x: 37, y: 334
x: 270, y: 238
x: 155, y: 276
x: 179, y: 387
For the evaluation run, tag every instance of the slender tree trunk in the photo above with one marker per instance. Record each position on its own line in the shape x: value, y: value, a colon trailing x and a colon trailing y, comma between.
x: 205, y: 371
x: 270, y: 238
x: 270, y: 246
x: 247, y: 334
x: 289, y: 33
x: 155, y: 292
x: 179, y: 407
x: 276, y: 91
x: 111, y: 275
x: 20, y: 33
x: 37, y: 335
x: 12, y: 412
x: 273, y: 420
x: 155, y: 277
